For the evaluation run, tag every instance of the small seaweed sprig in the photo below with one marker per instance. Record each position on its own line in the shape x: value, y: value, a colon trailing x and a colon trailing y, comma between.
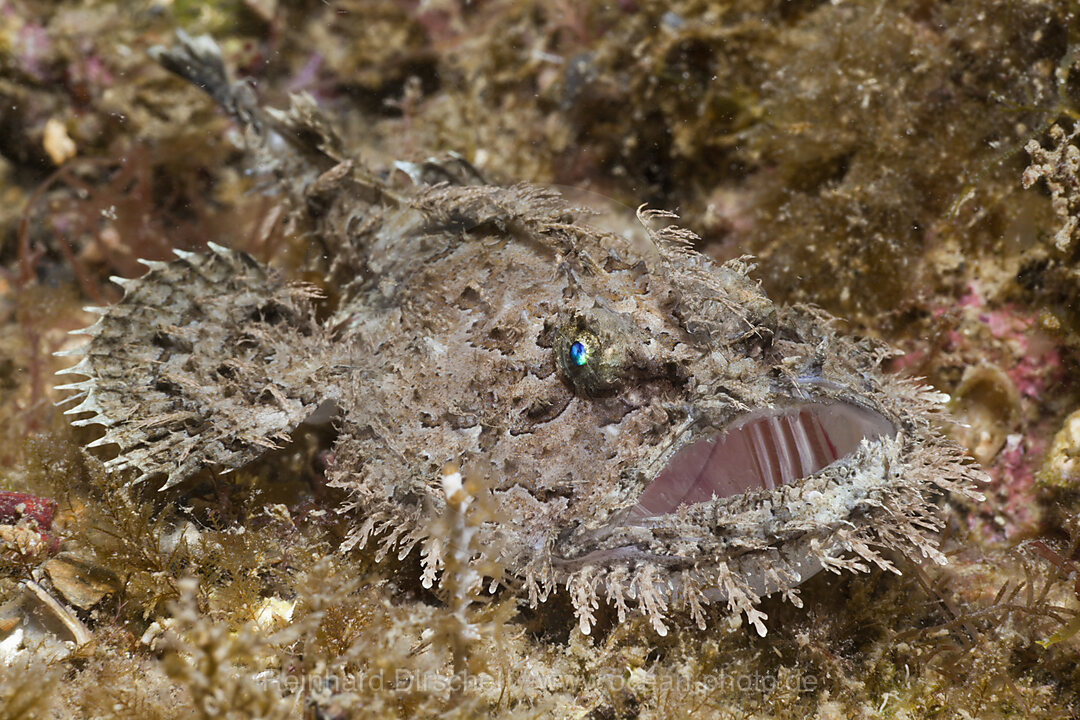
x: 454, y: 556
x: 1064, y: 569
x: 1059, y: 167
x: 216, y: 664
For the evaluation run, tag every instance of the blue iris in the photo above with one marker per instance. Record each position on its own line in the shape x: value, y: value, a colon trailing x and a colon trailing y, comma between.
x: 579, y: 354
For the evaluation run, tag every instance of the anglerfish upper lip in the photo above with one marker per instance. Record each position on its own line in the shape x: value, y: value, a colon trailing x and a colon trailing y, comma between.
x: 761, y: 450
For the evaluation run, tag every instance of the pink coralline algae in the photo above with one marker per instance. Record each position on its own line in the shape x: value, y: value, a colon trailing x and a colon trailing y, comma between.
x: 19, y: 508
x: 1007, y: 339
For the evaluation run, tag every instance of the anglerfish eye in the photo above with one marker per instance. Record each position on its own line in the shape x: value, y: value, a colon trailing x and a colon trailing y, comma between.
x: 580, y: 351
x: 591, y: 349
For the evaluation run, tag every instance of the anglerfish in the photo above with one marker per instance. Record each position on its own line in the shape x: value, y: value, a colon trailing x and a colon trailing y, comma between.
x: 657, y: 433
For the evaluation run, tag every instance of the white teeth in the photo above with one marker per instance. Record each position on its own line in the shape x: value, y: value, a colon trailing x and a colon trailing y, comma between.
x: 765, y: 455
x: 812, y: 444
x: 763, y: 450
x: 805, y: 451
x: 780, y: 450
x: 789, y: 453
x: 789, y: 445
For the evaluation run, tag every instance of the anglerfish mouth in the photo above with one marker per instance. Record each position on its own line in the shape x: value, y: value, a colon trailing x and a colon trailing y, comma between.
x: 763, y: 449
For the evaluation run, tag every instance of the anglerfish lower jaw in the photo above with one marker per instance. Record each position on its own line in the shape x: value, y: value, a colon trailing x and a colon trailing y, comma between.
x: 758, y: 504
x: 711, y: 474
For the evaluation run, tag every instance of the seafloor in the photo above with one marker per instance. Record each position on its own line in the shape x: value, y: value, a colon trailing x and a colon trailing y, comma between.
x: 910, y: 166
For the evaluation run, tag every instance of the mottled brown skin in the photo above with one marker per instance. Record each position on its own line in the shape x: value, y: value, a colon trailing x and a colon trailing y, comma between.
x: 458, y: 305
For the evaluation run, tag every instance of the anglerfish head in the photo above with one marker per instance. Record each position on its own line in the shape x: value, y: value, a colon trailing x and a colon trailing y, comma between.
x: 672, y: 437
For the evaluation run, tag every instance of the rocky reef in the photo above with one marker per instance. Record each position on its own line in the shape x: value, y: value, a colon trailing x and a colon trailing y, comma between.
x: 910, y: 167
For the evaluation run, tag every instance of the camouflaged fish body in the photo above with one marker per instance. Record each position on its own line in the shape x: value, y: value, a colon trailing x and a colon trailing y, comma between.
x: 658, y: 434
